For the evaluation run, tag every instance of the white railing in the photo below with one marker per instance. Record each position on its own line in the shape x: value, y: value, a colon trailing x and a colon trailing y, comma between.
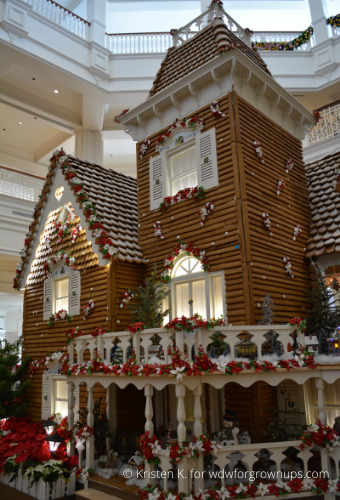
x: 61, y: 16
x: 187, y: 342
x: 40, y: 490
x: 200, y: 22
x: 242, y: 460
x: 271, y: 37
x: 138, y: 43
x: 335, y: 31
x: 328, y: 126
x: 20, y: 185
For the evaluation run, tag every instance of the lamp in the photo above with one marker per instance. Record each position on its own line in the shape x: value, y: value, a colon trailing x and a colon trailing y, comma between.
x: 54, y: 441
x: 49, y: 425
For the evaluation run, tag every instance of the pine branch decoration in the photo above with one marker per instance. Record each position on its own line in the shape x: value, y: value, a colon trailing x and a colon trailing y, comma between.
x: 268, y: 314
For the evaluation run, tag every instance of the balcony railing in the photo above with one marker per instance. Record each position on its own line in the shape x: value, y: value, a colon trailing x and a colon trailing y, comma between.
x: 138, y: 43
x: 19, y: 185
x: 270, y: 37
x: 188, y: 342
x: 328, y: 126
x: 61, y: 16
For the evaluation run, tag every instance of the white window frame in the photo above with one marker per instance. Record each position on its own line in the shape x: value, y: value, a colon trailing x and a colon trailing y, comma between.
x: 54, y: 399
x: 74, y: 283
x: 54, y: 291
x: 208, y: 277
x: 173, y: 152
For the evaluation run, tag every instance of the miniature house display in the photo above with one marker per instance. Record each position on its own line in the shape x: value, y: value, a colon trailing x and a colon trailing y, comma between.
x: 312, y: 343
x: 206, y: 174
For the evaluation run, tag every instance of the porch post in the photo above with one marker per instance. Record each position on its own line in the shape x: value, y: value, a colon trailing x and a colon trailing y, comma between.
x: 198, y: 410
x: 148, y: 391
x: 198, y: 429
x: 183, y: 472
x: 320, y: 384
x: 108, y: 414
x: 71, y: 387
x: 90, y: 423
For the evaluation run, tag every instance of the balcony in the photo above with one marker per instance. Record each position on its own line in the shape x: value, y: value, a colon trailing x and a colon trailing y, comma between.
x: 23, y: 186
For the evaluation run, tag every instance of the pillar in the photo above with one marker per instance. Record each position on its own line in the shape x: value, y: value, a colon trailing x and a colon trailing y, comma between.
x: 148, y: 391
x: 183, y: 472
x: 71, y: 387
x: 108, y: 414
x: 318, y: 14
x: 89, y: 146
x: 96, y: 15
x: 90, y: 423
x: 197, y: 410
x: 320, y: 384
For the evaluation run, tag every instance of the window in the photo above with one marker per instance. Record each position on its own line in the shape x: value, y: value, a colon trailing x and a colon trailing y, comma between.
x: 62, y: 291
x: 60, y: 400
x: 195, y: 291
x: 183, y: 170
x: 61, y: 294
x: 187, y: 159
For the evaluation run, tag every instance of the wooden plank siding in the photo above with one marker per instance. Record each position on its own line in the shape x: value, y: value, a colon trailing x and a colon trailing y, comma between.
x: 287, y: 210
x: 105, y: 285
x: 221, y: 227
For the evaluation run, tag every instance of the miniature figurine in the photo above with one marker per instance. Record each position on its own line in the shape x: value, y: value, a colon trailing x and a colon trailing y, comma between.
x: 228, y: 436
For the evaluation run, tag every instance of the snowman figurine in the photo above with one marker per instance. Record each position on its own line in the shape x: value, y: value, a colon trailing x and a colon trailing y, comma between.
x: 228, y: 436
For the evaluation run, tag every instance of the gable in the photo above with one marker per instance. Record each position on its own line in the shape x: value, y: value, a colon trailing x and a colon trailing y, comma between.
x: 113, y: 201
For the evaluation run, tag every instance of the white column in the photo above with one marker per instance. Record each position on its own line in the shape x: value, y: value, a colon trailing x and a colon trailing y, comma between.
x: 183, y: 472
x: 90, y: 423
x: 89, y: 146
x: 108, y: 414
x: 71, y: 387
x: 321, y: 399
x: 198, y: 410
x: 96, y: 14
x: 318, y: 14
x: 148, y: 391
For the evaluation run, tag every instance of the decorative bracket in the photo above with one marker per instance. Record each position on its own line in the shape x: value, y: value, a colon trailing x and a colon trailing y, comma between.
x: 274, y: 102
x: 194, y: 92
x: 141, y: 122
x: 158, y: 113
x: 298, y: 121
x: 259, y: 92
x: 128, y: 130
x: 287, y: 112
x: 176, y: 102
x: 217, y: 79
x: 245, y: 80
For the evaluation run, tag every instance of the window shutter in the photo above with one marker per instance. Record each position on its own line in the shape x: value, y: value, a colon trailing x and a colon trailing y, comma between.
x: 48, y: 298
x: 157, y: 180
x: 207, y: 171
x: 74, y: 292
x: 46, y: 398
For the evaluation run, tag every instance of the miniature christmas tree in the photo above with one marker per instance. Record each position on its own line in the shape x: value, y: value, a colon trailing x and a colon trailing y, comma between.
x: 149, y: 300
x: 325, y: 311
x: 11, y: 371
x: 323, y: 344
x: 268, y: 314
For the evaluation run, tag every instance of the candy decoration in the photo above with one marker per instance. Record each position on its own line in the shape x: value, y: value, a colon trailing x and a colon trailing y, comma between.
x: 127, y: 296
x: 297, y: 232
x: 289, y: 165
x: 144, y: 148
x: 280, y: 186
x: 205, y: 211
x: 88, y: 308
x: 259, y: 151
x: 288, y: 266
x: 215, y: 109
x: 157, y: 227
x: 267, y: 223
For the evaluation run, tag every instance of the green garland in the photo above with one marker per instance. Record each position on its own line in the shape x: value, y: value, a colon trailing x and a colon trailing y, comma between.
x: 295, y: 43
x: 334, y: 21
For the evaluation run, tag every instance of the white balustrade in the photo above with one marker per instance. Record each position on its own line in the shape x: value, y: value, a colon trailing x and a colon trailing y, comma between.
x: 146, y: 346
x: 328, y: 126
x: 20, y: 185
x: 61, y: 16
x: 138, y: 43
x: 270, y: 37
x: 41, y: 490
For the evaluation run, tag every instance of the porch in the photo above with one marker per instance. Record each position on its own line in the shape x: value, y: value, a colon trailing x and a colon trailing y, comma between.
x: 207, y: 394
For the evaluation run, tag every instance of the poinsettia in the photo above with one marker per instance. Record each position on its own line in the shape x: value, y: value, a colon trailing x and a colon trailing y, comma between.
x: 320, y: 435
x: 73, y: 333
x: 188, y: 249
x: 59, y: 316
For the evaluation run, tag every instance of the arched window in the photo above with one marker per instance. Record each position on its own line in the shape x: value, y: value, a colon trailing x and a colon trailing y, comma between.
x: 195, y: 291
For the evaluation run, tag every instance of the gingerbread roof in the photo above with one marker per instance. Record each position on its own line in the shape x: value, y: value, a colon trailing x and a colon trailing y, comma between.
x: 324, y: 235
x: 115, y: 198
x: 201, y: 48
